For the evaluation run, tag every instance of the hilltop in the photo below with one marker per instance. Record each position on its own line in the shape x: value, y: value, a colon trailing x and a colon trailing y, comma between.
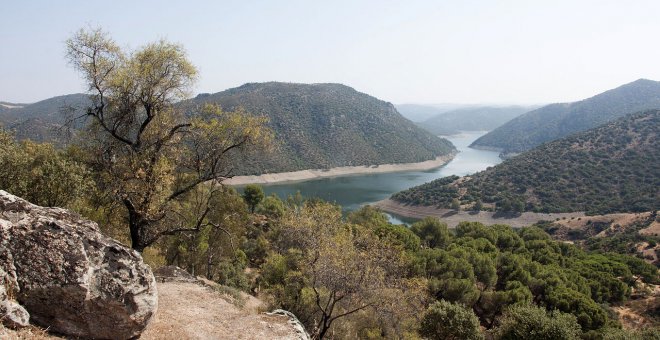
x: 612, y: 168
x: 555, y: 121
x: 321, y: 126
x: 483, y: 118
x: 42, y: 121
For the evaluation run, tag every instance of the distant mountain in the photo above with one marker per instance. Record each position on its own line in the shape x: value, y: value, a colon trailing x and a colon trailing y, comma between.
x: 559, y: 120
x: 42, y: 121
x: 612, y: 168
x: 319, y: 126
x: 419, y: 112
x: 482, y: 118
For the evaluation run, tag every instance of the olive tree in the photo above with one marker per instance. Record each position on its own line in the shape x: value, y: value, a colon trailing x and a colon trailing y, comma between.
x: 149, y: 150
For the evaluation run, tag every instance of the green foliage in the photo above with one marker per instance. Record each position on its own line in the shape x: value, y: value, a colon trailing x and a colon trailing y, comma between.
x: 41, y: 174
x: 432, y: 232
x: 446, y: 320
x: 272, y: 206
x: 532, y: 322
x: 612, y: 168
x: 320, y: 126
x: 253, y: 195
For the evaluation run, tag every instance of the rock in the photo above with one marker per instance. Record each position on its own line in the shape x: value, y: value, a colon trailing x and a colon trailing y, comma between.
x: 293, y: 321
x: 12, y: 314
x: 173, y: 274
x: 71, y: 278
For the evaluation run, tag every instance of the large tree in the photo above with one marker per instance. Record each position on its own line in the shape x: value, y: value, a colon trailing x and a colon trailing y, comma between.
x: 149, y: 150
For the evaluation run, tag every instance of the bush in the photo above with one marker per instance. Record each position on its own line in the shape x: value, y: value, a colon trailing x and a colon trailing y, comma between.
x: 446, y: 320
x: 532, y: 322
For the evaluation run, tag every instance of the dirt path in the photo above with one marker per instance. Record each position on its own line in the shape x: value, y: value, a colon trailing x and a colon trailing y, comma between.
x: 192, y: 311
x: 453, y: 218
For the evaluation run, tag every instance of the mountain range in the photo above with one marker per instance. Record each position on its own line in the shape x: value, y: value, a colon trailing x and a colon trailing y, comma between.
x: 611, y: 168
x: 555, y: 121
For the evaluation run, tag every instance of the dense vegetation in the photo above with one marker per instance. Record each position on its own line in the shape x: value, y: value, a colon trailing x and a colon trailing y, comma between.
x: 472, y: 119
x: 319, y: 126
x: 364, y: 277
x: 612, y: 168
x: 555, y: 121
x: 44, y: 121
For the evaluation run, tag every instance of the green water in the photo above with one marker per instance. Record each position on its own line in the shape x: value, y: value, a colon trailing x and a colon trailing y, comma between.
x: 352, y: 192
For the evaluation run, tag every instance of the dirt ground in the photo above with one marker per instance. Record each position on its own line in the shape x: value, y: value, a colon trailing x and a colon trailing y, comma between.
x: 192, y: 311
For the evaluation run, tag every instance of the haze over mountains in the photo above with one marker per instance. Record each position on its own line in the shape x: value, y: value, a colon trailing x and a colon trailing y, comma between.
x: 559, y: 120
x: 481, y: 118
x: 611, y: 168
x: 319, y: 126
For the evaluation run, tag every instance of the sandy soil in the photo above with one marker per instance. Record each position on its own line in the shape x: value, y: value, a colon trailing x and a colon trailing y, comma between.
x: 192, y: 311
x: 453, y: 218
x: 303, y: 175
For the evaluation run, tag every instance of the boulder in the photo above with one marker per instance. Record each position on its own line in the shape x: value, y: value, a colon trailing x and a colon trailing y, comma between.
x: 68, y: 276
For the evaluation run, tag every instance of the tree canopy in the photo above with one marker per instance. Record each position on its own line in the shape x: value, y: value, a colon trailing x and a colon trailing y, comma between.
x: 147, y: 153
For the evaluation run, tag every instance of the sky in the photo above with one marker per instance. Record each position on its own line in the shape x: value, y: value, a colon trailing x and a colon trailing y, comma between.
x: 463, y: 51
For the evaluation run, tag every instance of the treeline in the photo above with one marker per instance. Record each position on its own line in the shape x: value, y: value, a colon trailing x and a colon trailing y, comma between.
x: 612, y: 168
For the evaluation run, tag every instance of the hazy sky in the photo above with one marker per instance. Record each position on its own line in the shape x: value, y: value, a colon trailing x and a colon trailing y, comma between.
x: 525, y: 51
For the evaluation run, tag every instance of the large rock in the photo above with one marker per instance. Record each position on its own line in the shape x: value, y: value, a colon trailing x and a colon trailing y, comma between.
x: 70, y: 277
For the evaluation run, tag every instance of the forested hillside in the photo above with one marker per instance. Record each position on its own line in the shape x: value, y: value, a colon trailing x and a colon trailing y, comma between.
x: 472, y: 119
x: 555, y: 121
x: 422, y: 112
x: 42, y: 121
x: 612, y: 168
x: 319, y: 126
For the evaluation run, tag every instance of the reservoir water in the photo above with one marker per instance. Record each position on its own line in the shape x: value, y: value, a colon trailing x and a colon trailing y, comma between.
x: 352, y: 192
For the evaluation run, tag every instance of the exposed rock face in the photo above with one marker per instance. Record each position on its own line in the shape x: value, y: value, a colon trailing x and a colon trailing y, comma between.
x: 70, y: 277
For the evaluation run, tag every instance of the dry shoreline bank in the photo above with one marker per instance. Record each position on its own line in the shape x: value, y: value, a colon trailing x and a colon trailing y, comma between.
x: 453, y: 218
x: 304, y: 175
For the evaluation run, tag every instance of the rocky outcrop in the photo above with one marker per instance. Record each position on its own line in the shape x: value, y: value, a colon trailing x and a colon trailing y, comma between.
x: 68, y: 276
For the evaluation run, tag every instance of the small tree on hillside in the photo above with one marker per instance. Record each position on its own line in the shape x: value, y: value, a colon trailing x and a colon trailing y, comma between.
x: 148, y: 154
x: 253, y: 195
x: 449, y: 321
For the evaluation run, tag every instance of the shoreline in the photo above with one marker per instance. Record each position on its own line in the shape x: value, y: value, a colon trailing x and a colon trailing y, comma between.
x: 453, y: 217
x: 305, y: 175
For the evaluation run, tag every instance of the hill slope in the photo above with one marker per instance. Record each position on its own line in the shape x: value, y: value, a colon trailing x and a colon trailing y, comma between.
x: 422, y: 112
x: 320, y: 126
x: 555, y: 121
x: 612, y: 168
x: 41, y: 121
x: 472, y: 119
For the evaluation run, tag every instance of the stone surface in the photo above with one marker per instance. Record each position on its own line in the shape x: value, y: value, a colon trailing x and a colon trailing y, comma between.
x: 71, y: 278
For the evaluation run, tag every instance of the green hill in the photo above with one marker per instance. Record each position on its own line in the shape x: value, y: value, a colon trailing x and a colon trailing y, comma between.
x: 42, y: 121
x: 320, y: 126
x: 421, y: 112
x: 612, y: 168
x: 482, y: 118
x: 555, y: 121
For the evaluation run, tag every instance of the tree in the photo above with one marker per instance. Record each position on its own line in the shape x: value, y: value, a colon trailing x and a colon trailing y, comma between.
x: 478, y: 205
x: 344, y: 268
x: 446, y: 320
x: 432, y: 232
x: 149, y: 155
x: 41, y: 174
x: 253, y: 195
x: 532, y: 322
x: 456, y: 204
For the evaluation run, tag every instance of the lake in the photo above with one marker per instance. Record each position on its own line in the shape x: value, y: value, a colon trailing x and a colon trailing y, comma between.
x: 354, y: 191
